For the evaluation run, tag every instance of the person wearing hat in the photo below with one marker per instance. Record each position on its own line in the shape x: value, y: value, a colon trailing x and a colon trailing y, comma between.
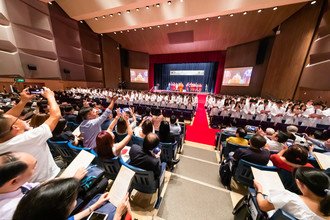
x: 91, y: 124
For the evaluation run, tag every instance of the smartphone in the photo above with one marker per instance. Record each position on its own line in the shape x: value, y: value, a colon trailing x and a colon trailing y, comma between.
x: 156, y: 150
x: 35, y: 91
x: 97, y: 216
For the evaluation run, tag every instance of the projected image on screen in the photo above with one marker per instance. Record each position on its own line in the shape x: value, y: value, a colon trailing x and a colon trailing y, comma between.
x: 139, y: 75
x: 237, y: 76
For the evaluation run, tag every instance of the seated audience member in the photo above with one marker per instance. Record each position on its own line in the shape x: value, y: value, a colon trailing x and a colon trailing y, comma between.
x: 175, y: 128
x: 269, y: 132
x: 239, y: 139
x: 16, y: 135
x: 91, y: 124
x: 314, y: 202
x: 165, y: 133
x: 322, y: 144
x: 145, y: 158
x: 57, y: 198
x: 277, y: 140
x: 144, y: 128
x: 69, y: 114
x: 38, y: 119
x: 292, y: 131
x: 105, y: 140
x: 291, y: 158
x: 157, y: 118
x: 256, y: 153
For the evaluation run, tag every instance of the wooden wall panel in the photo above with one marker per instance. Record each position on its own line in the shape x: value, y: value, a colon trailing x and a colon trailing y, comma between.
x: 136, y: 60
x: 243, y: 56
x: 289, y: 52
x: 111, y: 62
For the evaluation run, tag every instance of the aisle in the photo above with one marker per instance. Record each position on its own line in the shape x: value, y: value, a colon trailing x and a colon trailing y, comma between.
x: 200, y: 131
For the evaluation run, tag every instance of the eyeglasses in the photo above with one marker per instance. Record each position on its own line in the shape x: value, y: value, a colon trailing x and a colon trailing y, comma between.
x: 10, y: 128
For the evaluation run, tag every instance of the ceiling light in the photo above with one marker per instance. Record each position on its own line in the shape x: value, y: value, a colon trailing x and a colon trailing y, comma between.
x: 147, y: 7
x: 167, y: 25
x: 259, y: 10
x: 50, y: 3
x: 207, y: 19
x: 275, y: 8
x: 96, y: 18
x: 128, y: 11
x: 169, y: 2
x: 157, y: 5
x: 103, y: 16
x: 313, y: 2
x: 111, y: 15
x: 231, y: 15
x: 245, y: 13
x: 121, y: 32
x: 196, y: 20
x: 150, y: 27
x: 158, y: 26
x: 101, y: 34
x: 142, y: 28
x: 186, y: 22
x: 119, y: 13
x: 181, y: 0
x: 219, y: 17
x: 81, y: 22
x: 115, y: 32
x: 127, y: 30
x: 134, y: 29
x: 137, y: 9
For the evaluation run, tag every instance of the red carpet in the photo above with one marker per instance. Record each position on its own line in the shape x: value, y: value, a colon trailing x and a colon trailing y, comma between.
x: 200, y: 131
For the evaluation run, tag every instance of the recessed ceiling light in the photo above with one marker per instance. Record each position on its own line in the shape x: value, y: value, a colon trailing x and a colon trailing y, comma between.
x: 96, y: 18
x: 231, y: 15
x: 176, y: 23
x: 115, y: 32
x: 128, y: 11
x: 142, y: 28
x: 150, y: 27
x: 245, y: 13
x: 259, y: 10
x: 134, y: 29
x: 119, y: 13
x: 167, y: 25
x: 157, y: 5
x: 50, y: 3
x: 121, y: 32
x: 219, y: 17
x: 111, y: 15
x: 313, y: 2
x: 127, y: 30
x: 207, y: 19
x: 137, y: 9
x: 169, y: 2
x: 158, y: 26
x: 101, y: 34
x: 103, y: 16
x: 147, y: 7
x: 81, y: 22
x: 186, y: 22
x: 275, y: 8
x: 196, y: 20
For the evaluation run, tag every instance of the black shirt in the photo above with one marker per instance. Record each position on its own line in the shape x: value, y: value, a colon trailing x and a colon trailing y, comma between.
x: 253, y: 155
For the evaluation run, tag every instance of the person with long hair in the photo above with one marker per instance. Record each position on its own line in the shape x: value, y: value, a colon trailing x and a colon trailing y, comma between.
x: 314, y: 203
x: 56, y: 199
x: 164, y: 133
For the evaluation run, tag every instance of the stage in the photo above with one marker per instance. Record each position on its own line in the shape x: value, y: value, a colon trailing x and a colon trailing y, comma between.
x: 177, y: 92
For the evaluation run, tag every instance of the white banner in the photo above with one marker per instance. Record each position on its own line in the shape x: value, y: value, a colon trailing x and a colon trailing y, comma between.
x: 187, y: 73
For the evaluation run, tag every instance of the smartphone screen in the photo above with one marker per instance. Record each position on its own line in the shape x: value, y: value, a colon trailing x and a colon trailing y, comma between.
x: 97, y: 216
x: 36, y: 90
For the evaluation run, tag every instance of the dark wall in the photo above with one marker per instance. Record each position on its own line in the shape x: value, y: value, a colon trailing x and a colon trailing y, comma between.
x: 245, y: 55
x: 136, y: 60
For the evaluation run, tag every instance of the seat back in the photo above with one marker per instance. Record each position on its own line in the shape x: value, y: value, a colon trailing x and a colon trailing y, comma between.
x: 282, y: 215
x: 168, y: 150
x: 111, y: 166
x: 288, y: 181
x: 137, y: 140
x: 243, y: 173
x: 60, y: 148
x: 230, y: 147
x: 71, y: 125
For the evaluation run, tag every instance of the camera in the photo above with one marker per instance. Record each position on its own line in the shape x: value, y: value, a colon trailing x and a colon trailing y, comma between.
x: 36, y: 91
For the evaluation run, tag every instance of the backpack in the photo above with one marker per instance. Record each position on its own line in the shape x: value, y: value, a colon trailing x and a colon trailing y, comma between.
x: 225, y: 173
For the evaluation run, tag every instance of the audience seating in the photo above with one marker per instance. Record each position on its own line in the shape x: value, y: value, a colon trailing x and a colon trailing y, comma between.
x: 145, y: 181
x: 60, y: 148
x: 243, y: 173
x: 168, y: 151
x: 71, y: 125
x: 229, y: 147
x: 288, y: 181
x: 111, y: 166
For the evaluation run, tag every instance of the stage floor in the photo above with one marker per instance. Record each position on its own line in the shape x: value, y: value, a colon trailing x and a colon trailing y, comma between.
x: 169, y: 91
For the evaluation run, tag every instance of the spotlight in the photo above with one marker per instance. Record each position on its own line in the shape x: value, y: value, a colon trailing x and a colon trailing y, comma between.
x: 115, y: 32
x: 219, y: 17
x: 147, y: 7
x: 137, y: 9
x: 111, y: 15
x: 96, y: 18
x: 196, y: 20
x: 176, y: 23
x: 128, y: 11
x: 81, y: 22
x: 244, y: 13
x: 167, y: 25
x: 231, y: 15
x: 134, y: 29
x: 150, y: 27
x: 127, y: 30
x: 313, y: 2
x: 101, y: 34
x: 259, y: 10
x: 169, y: 2
x: 119, y: 13
x: 50, y: 3
x: 121, y: 32
x: 157, y: 5
x: 181, y: 0
x: 158, y: 26
x: 207, y: 19
x: 186, y: 22
x: 103, y: 16
x: 275, y: 8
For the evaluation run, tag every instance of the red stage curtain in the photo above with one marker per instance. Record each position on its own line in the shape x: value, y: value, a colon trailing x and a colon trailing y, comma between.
x: 198, y: 57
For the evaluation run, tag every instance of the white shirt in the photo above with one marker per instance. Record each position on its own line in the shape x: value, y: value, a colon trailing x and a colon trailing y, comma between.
x: 34, y: 142
x: 292, y: 204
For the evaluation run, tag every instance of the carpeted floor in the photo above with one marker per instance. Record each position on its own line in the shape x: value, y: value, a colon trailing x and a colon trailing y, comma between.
x: 200, y: 131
